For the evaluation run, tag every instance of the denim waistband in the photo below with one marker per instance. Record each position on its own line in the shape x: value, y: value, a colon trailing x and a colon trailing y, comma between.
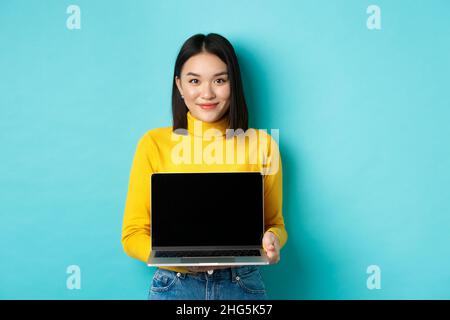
x: 218, y: 274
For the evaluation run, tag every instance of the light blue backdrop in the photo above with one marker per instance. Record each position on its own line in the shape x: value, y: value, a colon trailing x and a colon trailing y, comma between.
x: 364, y: 128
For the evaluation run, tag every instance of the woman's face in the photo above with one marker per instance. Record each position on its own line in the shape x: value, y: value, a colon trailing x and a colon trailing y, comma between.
x: 205, y: 86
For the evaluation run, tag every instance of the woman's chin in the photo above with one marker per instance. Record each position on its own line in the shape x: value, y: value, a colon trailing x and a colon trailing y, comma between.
x: 208, y: 116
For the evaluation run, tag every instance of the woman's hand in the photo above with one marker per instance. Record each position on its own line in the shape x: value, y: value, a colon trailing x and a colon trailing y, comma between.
x: 271, y: 245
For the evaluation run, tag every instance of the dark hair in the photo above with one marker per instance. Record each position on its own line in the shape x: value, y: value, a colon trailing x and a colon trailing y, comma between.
x: 218, y: 45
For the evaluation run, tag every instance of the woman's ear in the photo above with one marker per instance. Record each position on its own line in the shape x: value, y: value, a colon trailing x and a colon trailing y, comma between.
x: 178, y: 82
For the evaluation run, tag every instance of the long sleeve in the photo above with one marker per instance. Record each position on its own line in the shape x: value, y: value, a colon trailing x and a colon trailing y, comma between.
x: 273, y: 194
x: 136, y: 221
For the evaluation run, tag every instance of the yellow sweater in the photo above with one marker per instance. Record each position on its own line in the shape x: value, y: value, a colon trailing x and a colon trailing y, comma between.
x: 204, y: 147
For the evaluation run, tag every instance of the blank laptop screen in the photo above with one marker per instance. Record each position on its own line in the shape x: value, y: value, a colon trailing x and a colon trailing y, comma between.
x: 207, y: 209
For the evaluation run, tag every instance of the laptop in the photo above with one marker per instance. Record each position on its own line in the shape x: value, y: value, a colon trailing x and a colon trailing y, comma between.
x: 207, y: 219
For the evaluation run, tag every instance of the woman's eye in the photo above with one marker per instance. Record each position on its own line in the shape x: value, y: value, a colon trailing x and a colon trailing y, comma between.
x: 220, y: 81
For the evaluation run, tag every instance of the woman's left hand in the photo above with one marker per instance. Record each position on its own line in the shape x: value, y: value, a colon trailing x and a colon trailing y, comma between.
x: 271, y: 245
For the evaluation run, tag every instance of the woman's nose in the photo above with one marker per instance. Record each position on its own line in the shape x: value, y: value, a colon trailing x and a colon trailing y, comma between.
x: 207, y: 92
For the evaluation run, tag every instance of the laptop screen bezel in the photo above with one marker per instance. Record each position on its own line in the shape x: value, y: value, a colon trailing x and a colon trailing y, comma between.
x: 168, y: 248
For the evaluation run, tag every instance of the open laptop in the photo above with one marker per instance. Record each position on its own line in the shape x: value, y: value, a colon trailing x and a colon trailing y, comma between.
x: 207, y: 219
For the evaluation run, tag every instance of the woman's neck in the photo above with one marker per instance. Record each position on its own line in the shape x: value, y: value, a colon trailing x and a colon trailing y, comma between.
x: 197, y: 127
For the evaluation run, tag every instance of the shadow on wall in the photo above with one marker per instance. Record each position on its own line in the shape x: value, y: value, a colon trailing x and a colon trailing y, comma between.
x: 289, y: 279
x: 306, y: 268
x: 297, y: 276
x: 256, y: 88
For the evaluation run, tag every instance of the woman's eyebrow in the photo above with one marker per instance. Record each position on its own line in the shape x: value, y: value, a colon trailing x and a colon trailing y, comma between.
x: 197, y: 75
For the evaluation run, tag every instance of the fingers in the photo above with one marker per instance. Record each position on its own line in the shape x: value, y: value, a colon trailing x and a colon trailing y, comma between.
x: 269, y: 240
x: 273, y: 257
x: 271, y: 246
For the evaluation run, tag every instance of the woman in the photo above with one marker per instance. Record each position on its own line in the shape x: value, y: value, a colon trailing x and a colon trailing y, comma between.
x: 208, y: 104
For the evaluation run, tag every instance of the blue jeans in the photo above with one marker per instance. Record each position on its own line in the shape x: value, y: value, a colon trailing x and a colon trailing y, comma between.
x: 239, y: 283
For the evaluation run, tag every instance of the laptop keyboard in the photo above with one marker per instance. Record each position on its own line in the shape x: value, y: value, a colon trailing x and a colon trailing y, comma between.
x: 210, y: 253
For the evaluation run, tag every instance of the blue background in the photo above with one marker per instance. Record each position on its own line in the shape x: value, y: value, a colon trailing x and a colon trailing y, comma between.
x: 363, y: 118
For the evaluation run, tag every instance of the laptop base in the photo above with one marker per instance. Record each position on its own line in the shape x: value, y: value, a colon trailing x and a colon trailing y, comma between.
x: 207, y: 261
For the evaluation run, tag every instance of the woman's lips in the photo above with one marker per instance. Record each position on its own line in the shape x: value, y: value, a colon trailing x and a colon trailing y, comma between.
x: 208, y: 106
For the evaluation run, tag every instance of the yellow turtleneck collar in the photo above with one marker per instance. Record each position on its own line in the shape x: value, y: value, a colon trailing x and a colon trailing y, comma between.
x: 197, y: 127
